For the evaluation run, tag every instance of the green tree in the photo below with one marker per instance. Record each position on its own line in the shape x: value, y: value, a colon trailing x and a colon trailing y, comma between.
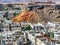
x: 51, y: 34
x: 28, y: 27
x: 15, y: 13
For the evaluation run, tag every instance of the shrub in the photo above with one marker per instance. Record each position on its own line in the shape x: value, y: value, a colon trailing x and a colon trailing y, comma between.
x: 28, y: 27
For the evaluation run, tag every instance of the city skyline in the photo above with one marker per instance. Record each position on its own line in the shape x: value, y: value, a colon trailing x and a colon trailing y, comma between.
x: 27, y: 0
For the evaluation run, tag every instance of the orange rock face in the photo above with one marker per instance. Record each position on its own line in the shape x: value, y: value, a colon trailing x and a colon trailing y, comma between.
x: 24, y: 16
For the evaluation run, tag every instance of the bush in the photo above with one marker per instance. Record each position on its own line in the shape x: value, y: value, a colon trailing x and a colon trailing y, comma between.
x: 7, y: 18
x: 28, y: 27
x: 52, y: 34
x: 15, y: 14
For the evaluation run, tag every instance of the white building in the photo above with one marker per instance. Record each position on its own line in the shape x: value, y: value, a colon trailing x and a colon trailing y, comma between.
x: 35, y: 41
x: 31, y: 38
x: 39, y: 42
x: 57, y: 35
